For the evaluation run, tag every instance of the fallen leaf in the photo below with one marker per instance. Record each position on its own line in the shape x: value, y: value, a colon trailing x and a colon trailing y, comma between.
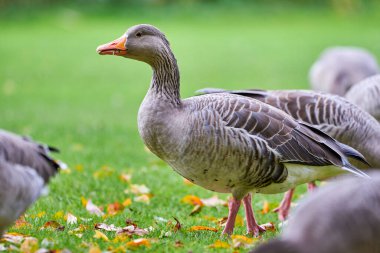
x: 38, y: 215
x: 199, y: 228
x: 265, y: 209
x: 127, y: 202
x: 160, y: 219
x: 196, y: 210
x: 192, y: 200
x: 145, y: 198
x: 78, y: 167
x: 125, y: 177
x: 214, y: 201
x: 103, y: 226
x: 13, y: 237
x: 21, y: 222
x: 29, y: 245
x: 239, y: 221
x: 114, y: 208
x: 71, y: 219
x: 59, y: 215
x: 187, y: 182
x: 219, y: 244
x: 178, y: 225
x: 139, y: 189
x: 138, y: 243
x: 132, y: 230
x: 129, y: 222
x: 94, y: 249
x: 241, y: 241
x: 100, y: 235
x: 103, y: 172
x: 53, y: 225
x: 178, y: 244
x: 93, y: 208
x: 269, y: 226
x: 84, y: 201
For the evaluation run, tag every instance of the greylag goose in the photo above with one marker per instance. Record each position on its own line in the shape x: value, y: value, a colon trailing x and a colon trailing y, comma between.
x: 225, y: 143
x: 342, y: 217
x: 366, y: 95
x: 338, y: 68
x: 25, y: 168
x: 332, y: 114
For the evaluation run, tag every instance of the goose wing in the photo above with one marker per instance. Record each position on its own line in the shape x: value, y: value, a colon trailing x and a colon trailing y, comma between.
x: 293, y: 141
x: 25, y: 152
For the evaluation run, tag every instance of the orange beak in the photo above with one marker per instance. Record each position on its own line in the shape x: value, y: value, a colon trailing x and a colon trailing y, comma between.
x: 116, y: 47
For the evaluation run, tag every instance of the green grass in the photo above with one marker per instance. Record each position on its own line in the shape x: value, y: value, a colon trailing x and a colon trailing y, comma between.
x: 54, y: 87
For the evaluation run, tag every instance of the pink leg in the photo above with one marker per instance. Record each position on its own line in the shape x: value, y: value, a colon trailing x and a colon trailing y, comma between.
x: 283, y: 209
x: 252, y: 227
x: 233, y: 206
x: 311, y: 186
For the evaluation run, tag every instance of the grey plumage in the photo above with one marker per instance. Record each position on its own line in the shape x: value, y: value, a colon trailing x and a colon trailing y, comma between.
x: 25, y: 168
x: 342, y: 217
x: 338, y: 68
x: 224, y: 143
x: 366, y: 95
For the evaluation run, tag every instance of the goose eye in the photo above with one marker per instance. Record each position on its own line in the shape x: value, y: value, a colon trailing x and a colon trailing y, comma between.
x: 138, y: 34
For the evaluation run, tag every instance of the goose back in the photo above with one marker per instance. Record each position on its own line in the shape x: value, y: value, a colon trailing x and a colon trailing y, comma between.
x: 366, y: 95
x: 331, y: 114
x: 338, y: 68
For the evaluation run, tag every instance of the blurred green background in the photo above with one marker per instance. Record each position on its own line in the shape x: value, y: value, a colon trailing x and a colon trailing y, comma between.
x: 54, y: 86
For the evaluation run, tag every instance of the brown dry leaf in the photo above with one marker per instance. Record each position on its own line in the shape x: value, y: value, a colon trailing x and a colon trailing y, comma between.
x: 145, y: 198
x: 196, y: 210
x: 192, y: 200
x: 125, y: 177
x: 129, y: 222
x: 265, y: 209
x: 214, y: 201
x: 93, y: 208
x: 29, y: 245
x: 100, y: 235
x: 21, y: 222
x: 71, y: 219
x: 239, y: 221
x: 199, y: 228
x: 138, y: 243
x: 220, y: 244
x: 241, y: 241
x: 269, y: 226
x: 178, y: 225
x: 114, y: 208
x: 53, y: 225
x: 178, y: 244
x: 132, y: 230
x: 103, y: 226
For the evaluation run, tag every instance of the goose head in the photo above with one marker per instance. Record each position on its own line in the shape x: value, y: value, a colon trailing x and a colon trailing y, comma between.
x: 141, y: 42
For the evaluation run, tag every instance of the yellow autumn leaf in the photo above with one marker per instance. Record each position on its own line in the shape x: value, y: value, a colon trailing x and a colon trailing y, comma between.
x: 84, y: 201
x: 29, y: 245
x: 78, y: 167
x: 241, y: 241
x: 100, y: 235
x: 59, y: 215
x: 138, y: 243
x: 200, y: 228
x: 219, y: 244
x: 127, y: 202
x: 192, y: 200
x: 265, y: 209
x: 94, y: 249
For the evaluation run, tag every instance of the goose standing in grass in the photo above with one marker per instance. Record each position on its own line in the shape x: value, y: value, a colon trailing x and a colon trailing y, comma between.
x: 25, y: 168
x: 332, y: 114
x: 342, y: 217
x: 338, y: 68
x: 225, y: 143
x: 366, y: 95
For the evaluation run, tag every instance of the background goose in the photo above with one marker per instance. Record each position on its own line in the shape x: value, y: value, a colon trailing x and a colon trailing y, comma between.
x: 332, y: 114
x: 225, y: 143
x: 342, y: 217
x: 366, y: 95
x: 25, y: 168
x: 338, y: 68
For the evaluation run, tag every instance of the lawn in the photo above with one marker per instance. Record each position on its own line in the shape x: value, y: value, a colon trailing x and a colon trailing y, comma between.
x: 54, y: 87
